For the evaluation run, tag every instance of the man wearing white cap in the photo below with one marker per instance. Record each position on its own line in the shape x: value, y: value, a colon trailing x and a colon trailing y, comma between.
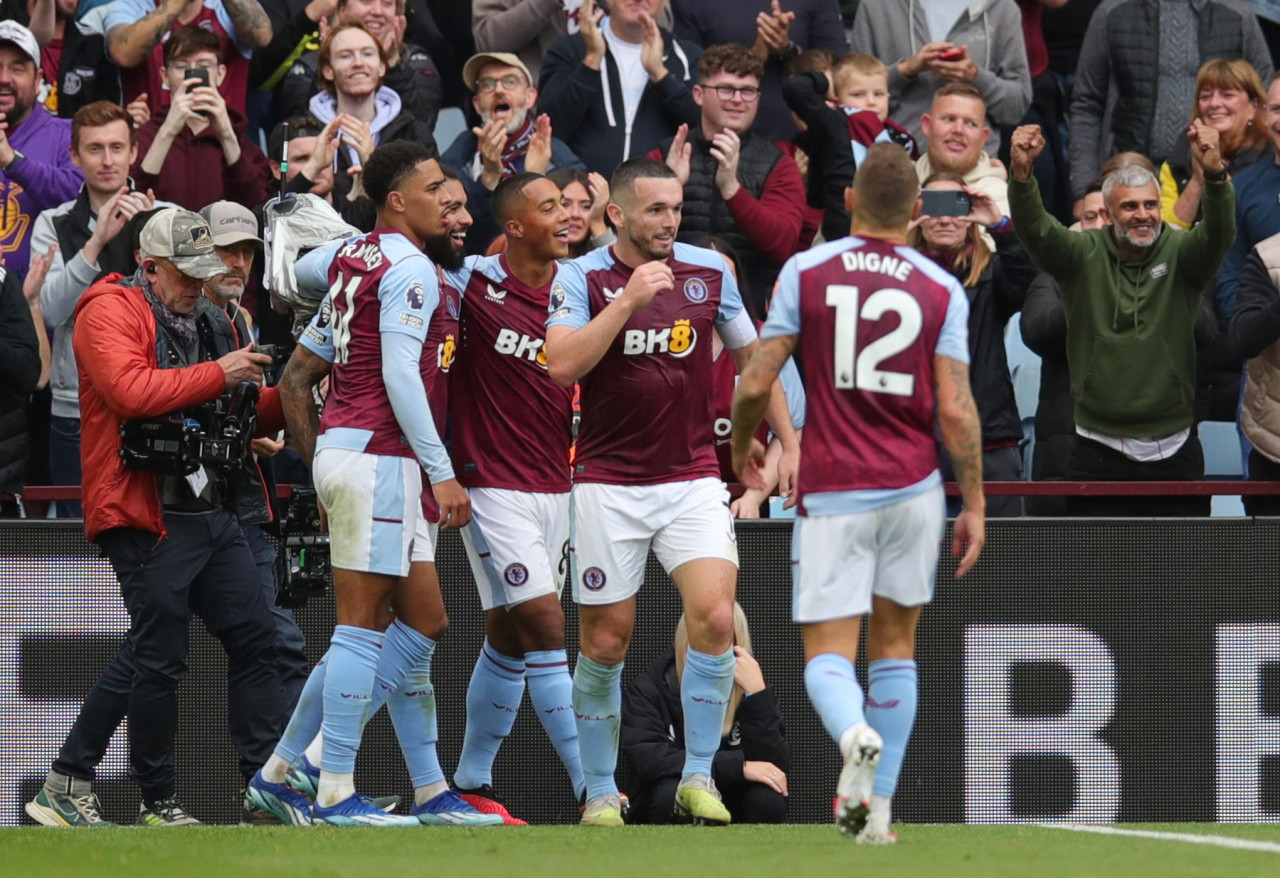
x: 152, y: 349
x: 36, y: 172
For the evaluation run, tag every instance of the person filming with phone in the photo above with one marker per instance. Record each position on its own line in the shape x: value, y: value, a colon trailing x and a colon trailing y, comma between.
x: 182, y: 144
x: 950, y: 231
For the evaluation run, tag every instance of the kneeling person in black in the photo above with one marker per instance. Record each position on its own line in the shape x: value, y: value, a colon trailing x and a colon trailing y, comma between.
x: 750, y: 767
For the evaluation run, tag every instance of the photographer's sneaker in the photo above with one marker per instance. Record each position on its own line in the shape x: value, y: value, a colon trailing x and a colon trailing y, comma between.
x: 861, y: 747
x: 165, y: 812
x: 282, y: 802
x: 449, y: 809
x: 304, y: 777
x: 358, y: 810
x: 698, y: 801
x: 486, y: 801
x: 57, y: 809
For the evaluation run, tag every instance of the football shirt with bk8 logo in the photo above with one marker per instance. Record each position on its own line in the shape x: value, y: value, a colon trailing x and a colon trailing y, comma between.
x: 512, y: 425
x: 646, y: 405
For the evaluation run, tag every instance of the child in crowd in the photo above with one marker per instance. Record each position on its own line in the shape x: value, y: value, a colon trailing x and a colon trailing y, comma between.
x: 861, y: 87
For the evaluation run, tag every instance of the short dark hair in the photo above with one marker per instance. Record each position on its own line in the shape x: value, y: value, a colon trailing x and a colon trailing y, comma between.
x: 450, y: 173
x: 729, y: 58
x: 390, y: 165
x: 564, y: 177
x: 627, y: 173
x: 299, y: 126
x: 97, y: 114
x: 508, y: 196
x: 886, y: 186
x: 186, y: 41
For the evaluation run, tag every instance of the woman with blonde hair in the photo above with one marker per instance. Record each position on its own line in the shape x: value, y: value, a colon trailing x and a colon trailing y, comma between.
x: 750, y: 768
x: 1230, y: 98
x: 996, y: 282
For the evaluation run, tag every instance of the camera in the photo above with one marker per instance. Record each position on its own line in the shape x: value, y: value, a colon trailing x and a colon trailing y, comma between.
x: 303, y: 567
x: 279, y: 354
x: 216, y: 435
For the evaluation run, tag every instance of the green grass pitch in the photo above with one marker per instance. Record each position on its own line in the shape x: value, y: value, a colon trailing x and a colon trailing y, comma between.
x: 643, y: 852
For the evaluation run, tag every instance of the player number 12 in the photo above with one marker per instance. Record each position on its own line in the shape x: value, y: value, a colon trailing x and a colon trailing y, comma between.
x: 861, y: 370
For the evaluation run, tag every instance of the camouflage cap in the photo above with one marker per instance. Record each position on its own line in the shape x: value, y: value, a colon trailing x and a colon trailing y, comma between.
x: 184, y: 238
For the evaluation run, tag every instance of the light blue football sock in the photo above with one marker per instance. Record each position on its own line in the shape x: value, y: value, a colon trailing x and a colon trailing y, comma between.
x: 551, y: 691
x: 597, y: 707
x: 404, y: 680
x: 308, y: 713
x: 704, y: 693
x: 892, y: 695
x: 348, y: 687
x: 497, y: 686
x: 834, y: 691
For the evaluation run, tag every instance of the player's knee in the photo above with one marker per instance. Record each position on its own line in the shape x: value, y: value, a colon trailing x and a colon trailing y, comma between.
x: 711, y: 630
x: 605, y: 647
x: 540, y: 624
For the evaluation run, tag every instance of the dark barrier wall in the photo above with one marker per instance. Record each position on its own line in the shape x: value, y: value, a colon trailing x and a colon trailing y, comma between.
x: 1095, y: 670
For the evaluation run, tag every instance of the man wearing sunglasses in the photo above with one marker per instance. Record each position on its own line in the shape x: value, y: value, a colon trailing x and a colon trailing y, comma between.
x: 737, y: 185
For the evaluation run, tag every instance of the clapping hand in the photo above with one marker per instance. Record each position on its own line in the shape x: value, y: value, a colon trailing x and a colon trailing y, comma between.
x: 538, y: 157
x: 680, y: 153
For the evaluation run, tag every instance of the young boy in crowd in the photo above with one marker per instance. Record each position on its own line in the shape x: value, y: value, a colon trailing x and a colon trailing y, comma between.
x: 861, y: 86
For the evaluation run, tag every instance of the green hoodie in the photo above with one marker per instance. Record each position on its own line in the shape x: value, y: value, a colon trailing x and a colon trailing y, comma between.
x: 1130, y: 342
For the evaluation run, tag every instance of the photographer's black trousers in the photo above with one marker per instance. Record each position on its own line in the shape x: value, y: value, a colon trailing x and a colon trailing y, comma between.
x: 205, y: 567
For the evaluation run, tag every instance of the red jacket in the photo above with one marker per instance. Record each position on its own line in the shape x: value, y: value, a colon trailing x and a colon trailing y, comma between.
x: 115, y: 345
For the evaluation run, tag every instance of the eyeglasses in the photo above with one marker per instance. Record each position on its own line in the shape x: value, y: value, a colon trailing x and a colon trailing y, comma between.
x: 185, y: 65
x: 511, y: 80
x: 726, y: 92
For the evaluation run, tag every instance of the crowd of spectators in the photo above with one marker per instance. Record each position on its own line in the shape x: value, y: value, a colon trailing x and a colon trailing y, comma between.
x: 1157, y: 312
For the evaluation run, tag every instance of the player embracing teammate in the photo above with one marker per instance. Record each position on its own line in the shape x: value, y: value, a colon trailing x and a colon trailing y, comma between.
x: 882, y: 332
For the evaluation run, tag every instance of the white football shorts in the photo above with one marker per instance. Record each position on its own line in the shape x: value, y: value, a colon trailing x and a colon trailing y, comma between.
x: 839, y: 561
x: 424, y: 540
x: 614, y: 526
x: 370, y: 530
x: 517, y: 542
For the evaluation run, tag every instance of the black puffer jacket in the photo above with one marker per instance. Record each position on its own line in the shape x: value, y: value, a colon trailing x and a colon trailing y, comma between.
x: 705, y: 211
x: 652, y: 735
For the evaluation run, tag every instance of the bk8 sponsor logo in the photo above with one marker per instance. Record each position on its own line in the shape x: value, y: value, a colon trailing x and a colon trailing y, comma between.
x: 678, y: 340
x: 519, y: 345
x: 447, y: 350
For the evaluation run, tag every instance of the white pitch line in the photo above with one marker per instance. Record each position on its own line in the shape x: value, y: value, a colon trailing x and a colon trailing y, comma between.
x: 1240, y: 844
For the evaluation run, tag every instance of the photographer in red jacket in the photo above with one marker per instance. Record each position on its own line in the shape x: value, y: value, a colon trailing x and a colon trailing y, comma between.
x: 161, y: 369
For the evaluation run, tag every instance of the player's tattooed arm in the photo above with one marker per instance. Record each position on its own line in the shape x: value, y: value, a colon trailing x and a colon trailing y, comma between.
x: 962, y: 435
x: 758, y: 391
x: 302, y: 374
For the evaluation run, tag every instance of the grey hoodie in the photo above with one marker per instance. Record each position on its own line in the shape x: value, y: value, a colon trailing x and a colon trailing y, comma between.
x: 992, y: 29
x: 387, y: 106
